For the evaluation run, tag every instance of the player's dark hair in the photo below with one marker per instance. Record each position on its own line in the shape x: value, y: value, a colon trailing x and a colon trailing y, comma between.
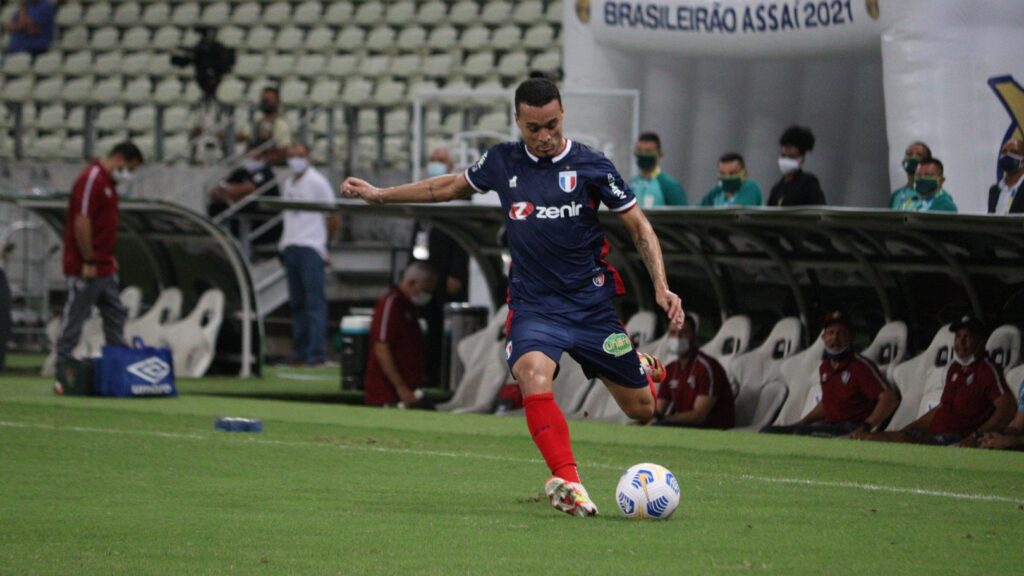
x: 933, y: 162
x: 127, y: 150
x: 650, y: 137
x: 927, y: 149
x: 273, y: 90
x: 537, y: 92
x: 732, y: 157
x: 798, y: 137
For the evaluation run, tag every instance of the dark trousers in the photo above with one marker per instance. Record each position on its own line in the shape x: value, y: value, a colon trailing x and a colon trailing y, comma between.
x: 305, y: 270
x: 5, y: 317
x: 822, y: 429
x: 82, y: 296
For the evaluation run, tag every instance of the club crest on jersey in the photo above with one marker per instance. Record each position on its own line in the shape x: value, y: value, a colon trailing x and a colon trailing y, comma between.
x: 845, y: 377
x: 567, y: 181
x: 617, y: 344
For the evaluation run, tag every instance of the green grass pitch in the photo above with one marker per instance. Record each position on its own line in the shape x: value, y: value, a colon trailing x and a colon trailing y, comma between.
x: 106, y: 486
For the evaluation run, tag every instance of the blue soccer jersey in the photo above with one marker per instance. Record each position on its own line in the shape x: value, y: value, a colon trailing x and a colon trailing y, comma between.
x: 556, y: 242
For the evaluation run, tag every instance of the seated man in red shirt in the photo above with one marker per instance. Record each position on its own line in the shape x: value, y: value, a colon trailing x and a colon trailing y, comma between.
x: 974, y: 401
x: 855, y: 398
x: 696, y: 391
x: 396, y: 364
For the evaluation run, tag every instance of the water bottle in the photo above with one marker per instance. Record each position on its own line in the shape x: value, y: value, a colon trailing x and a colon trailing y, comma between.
x: 238, y: 425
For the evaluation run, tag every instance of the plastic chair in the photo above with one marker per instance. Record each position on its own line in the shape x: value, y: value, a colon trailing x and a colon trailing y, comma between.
x: 1003, y: 346
x: 800, y: 375
x: 193, y: 339
x: 888, y: 348
x: 1015, y: 381
x: 482, y: 353
x: 926, y: 370
x: 757, y: 407
x: 148, y: 326
x: 761, y: 365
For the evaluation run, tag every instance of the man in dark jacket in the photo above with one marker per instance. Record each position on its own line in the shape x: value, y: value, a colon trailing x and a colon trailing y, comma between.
x: 1003, y: 197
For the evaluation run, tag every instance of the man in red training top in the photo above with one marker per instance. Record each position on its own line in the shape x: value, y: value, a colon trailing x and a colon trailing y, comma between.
x: 696, y: 391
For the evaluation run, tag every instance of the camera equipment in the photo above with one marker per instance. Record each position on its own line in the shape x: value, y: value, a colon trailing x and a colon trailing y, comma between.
x: 212, y: 60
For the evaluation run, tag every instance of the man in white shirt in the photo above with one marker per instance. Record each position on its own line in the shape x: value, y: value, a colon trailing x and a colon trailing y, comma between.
x: 1005, y: 197
x: 303, y: 248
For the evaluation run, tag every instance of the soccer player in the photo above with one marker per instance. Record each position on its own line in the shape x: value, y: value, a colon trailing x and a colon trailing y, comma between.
x: 560, y: 287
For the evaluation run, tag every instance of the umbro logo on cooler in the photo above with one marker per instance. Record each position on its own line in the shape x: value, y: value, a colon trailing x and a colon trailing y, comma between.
x: 523, y: 210
x: 152, y: 369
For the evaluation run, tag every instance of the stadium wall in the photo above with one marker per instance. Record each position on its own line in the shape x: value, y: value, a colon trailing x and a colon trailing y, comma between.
x: 879, y: 76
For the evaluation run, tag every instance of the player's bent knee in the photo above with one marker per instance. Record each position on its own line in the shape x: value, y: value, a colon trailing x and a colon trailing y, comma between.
x: 640, y: 411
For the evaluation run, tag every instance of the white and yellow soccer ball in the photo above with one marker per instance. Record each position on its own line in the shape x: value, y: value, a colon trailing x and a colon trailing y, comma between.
x: 647, y: 491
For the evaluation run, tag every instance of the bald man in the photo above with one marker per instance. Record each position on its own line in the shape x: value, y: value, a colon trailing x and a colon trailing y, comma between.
x: 1004, y: 197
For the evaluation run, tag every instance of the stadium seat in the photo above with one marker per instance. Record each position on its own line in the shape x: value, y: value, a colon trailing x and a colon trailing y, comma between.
x: 260, y: 39
x: 496, y: 12
x: 167, y: 38
x: 338, y: 14
x: 135, y: 91
x: 464, y: 13
x: 375, y: 65
x: 51, y: 117
x: 397, y: 122
x: 759, y: 407
x: 513, y: 65
x: 141, y: 119
x: 432, y: 13
x: 246, y: 14
x: 320, y: 39
x: 356, y: 92
x: 127, y: 14
x: 351, y: 38
x: 1014, y: 380
x: 310, y: 65
x: 482, y: 355
x: 442, y: 38
x: 290, y: 39
x: 277, y: 14
x: 160, y: 65
x: 249, y: 65
x: 74, y: 38
x: 279, y: 65
x: 437, y: 65
x: 553, y: 14
x: 157, y: 14
x: 18, y: 90
x: 546, y: 61
x: 369, y: 13
x: 507, y: 37
x: 325, y: 92
x: 406, y: 65
x: 924, y: 371
x: 731, y: 340
x: 381, y: 39
x: 799, y: 373
x: 217, y: 15
x: 110, y: 118
x: 47, y: 64
x: 148, y: 325
x: 341, y: 65
x: 168, y: 91
x: 136, y: 38
x: 17, y: 64
x: 411, y: 38
x: 107, y: 90
x: 400, y: 13
x: 186, y: 14
x: 888, y: 348
x: 193, y: 339
x: 48, y: 90
x: 294, y: 92
x: 478, y: 64
x: 539, y: 37
x: 528, y: 12
x: 231, y: 36
x: 761, y: 365
x: 98, y: 14
x: 307, y: 14
x: 177, y: 119
x: 107, y: 64
x: 1003, y: 346
x: 77, y: 63
x: 68, y: 15
x: 78, y: 90
x: 475, y: 38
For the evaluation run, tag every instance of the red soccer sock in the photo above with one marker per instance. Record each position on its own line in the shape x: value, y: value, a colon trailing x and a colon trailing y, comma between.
x: 551, y: 435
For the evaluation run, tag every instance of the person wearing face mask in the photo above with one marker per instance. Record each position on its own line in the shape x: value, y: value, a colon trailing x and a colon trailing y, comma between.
x: 796, y: 187
x: 855, y: 398
x: 975, y: 399
x: 903, y: 196
x: 396, y: 367
x: 271, y: 127
x: 733, y: 188
x: 696, y: 391
x: 929, y: 195
x: 90, y: 236
x: 254, y: 175
x: 1004, y: 197
x: 303, y: 248
x: 654, y: 187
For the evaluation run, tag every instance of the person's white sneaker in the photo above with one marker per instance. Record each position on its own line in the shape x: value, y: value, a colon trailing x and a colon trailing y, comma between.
x: 569, y: 497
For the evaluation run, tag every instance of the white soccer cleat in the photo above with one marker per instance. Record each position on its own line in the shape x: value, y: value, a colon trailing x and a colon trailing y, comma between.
x: 569, y: 497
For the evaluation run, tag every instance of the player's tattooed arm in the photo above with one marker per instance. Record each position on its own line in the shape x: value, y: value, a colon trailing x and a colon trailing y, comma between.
x: 436, y: 189
x: 649, y: 248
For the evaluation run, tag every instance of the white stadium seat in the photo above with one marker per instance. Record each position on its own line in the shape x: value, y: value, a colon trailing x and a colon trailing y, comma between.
x: 17, y: 64
x: 482, y: 354
x: 406, y: 65
x: 799, y: 373
x: 506, y: 37
x: 731, y: 340
x: 294, y: 92
x: 193, y: 339
x: 325, y: 92
x: 475, y: 38
x: 148, y: 326
x: 513, y: 64
x: 231, y: 36
x: 105, y: 38
x: 185, y: 14
x: 136, y: 91
x: 553, y: 14
x: 320, y: 39
x: 888, y: 348
x: 217, y: 15
x: 167, y: 38
x: 338, y: 14
x: 341, y: 65
x: 136, y: 38
x: 528, y: 12
x: 277, y: 14
x: 51, y: 117
x: 47, y: 64
x: 369, y: 13
x: 127, y: 14
x: 411, y: 38
x: 78, y: 63
x: 310, y: 65
x: 260, y: 38
x: 400, y: 13
x: 135, y: 64
x: 18, y: 90
x: 107, y: 64
x: 168, y: 91
x: 75, y: 38
x: 357, y: 91
x: 177, y: 119
x: 539, y: 37
x: 107, y: 90
x: 432, y: 13
x: 98, y: 14
x: 68, y: 14
x: 157, y: 14
x: 279, y: 65
x: 642, y: 325
x: 141, y: 119
x: 246, y: 14
x: 759, y: 407
x: 110, y: 119
x: 307, y: 14
x: 381, y: 39
x: 49, y: 89
x: 442, y: 38
x: 388, y: 92
x: 375, y: 66
x: 478, y: 64
x: 397, y: 122
x: 923, y: 371
x: 464, y: 12
x: 78, y: 90
x: 546, y: 61
x: 1003, y: 346
x: 248, y: 65
x: 755, y: 368
x: 496, y: 12
x: 437, y: 65
x: 350, y: 38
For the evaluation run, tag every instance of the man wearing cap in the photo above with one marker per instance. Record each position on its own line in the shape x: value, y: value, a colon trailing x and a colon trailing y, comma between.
x: 855, y: 398
x: 696, y: 391
x: 974, y: 401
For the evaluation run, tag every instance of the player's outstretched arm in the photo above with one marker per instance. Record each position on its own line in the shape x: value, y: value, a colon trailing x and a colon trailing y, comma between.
x: 436, y: 189
x: 647, y: 245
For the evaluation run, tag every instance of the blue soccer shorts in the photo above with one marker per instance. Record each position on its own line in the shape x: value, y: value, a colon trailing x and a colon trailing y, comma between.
x: 595, y: 338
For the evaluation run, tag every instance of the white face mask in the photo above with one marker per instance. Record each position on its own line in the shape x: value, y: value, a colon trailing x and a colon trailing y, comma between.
x: 679, y: 346
x: 123, y: 175
x: 963, y: 361
x: 252, y: 165
x: 297, y: 164
x: 436, y: 169
x: 421, y: 299
x: 788, y: 165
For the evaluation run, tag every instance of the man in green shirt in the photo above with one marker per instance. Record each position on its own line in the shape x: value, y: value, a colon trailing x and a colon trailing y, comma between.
x: 903, y: 196
x: 928, y: 193
x: 733, y: 188
x: 654, y: 187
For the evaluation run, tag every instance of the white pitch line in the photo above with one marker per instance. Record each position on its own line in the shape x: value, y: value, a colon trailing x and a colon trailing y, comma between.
x: 491, y: 457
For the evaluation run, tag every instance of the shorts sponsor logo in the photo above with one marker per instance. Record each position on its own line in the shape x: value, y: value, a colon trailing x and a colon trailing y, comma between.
x: 617, y: 344
x: 598, y: 280
x: 521, y: 210
x: 567, y: 181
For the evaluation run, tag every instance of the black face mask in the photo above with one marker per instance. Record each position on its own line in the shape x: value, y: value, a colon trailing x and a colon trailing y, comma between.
x: 1009, y: 163
x: 646, y: 162
x: 267, y: 107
